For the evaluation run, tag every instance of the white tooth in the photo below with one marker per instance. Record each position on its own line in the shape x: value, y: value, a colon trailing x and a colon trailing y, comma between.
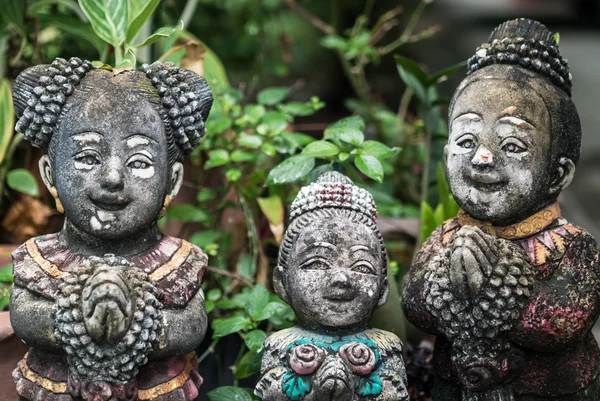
x: 95, y: 223
x: 105, y: 216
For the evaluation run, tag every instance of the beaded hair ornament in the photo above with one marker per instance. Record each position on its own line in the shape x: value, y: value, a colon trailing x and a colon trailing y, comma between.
x: 526, y: 43
x: 334, y: 190
x: 185, y: 98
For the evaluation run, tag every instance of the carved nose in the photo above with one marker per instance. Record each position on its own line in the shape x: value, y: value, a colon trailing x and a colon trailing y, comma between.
x: 483, y: 157
x: 113, y: 179
x: 340, y: 279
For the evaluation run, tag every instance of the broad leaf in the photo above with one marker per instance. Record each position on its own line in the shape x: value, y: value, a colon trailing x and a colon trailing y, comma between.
x: 7, y: 118
x: 349, y: 130
x: 320, y: 149
x: 270, y: 310
x: 298, y: 108
x: 6, y: 274
x: 128, y: 60
x: 141, y: 16
x: 75, y: 27
x: 160, y: 33
x: 13, y: 12
x: 229, y: 394
x: 204, y: 238
x: 413, y: 76
x: 257, y: 300
x: 23, y: 181
x: 446, y: 73
x: 427, y: 221
x: 188, y: 213
x: 369, y: 166
x: 272, y: 96
x: 254, y: 340
x: 290, y: 170
x: 272, y: 208
x: 108, y: 18
x: 378, y: 150
x: 248, y: 366
x: 216, y: 157
x: 250, y: 141
x: 229, y: 326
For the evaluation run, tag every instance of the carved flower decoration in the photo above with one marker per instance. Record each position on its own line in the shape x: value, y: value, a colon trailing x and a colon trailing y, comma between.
x: 306, y: 358
x: 360, y: 358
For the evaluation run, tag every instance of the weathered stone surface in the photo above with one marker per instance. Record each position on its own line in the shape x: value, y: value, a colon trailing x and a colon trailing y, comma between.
x: 509, y: 286
x: 111, y: 308
x: 332, y: 271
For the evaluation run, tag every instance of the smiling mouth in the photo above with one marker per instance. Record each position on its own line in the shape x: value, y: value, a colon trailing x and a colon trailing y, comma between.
x: 340, y: 297
x: 111, y: 205
x: 486, y: 183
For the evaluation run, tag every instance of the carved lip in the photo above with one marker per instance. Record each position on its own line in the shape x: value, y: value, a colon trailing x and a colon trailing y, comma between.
x: 111, y: 203
x: 339, y: 296
x: 486, y: 182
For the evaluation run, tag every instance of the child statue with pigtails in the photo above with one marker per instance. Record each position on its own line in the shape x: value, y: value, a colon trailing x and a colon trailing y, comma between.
x: 510, y: 287
x: 111, y: 308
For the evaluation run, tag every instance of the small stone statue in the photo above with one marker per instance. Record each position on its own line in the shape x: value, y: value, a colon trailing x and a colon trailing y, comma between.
x: 332, y: 272
x: 509, y: 286
x: 111, y: 308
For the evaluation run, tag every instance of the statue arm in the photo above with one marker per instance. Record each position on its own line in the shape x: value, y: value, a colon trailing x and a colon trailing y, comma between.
x: 183, y: 329
x: 32, y: 318
x: 413, y: 300
x: 565, y: 308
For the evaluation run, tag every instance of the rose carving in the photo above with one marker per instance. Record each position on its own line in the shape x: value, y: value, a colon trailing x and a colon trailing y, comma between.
x: 359, y: 357
x: 306, y: 358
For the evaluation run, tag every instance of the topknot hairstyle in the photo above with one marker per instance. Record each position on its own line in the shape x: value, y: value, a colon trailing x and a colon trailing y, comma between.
x: 526, y: 43
x: 40, y: 94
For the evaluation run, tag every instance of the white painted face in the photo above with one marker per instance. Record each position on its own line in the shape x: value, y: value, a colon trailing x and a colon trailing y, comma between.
x: 498, y: 153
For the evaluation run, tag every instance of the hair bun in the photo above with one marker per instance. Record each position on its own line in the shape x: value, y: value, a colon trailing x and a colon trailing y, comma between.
x: 523, y: 28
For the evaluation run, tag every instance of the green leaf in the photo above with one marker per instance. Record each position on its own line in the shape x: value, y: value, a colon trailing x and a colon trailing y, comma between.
x: 206, y: 194
x: 233, y: 174
x: 276, y: 121
x: 188, y: 213
x: 248, y: 366
x: 214, y: 295
x: 427, y: 221
x: 320, y: 149
x: 216, y: 157
x: 229, y: 394
x: 13, y: 12
x: 108, y: 18
x: 298, y: 139
x: 333, y: 42
x: 204, y: 238
x: 557, y: 37
x: 239, y: 156
x: 160, y: 33
x: 272, y: 208
x: 446, y: 73
x: 246, y: 268
x: 349, y: 130
x: 23, y: 181
x: 128, y: 60
x: 270, y: 310
x: 290, y: 170
x: 6, y: 274
x: 298, y: 108
x: 7, y: 118
x: 214, y: 71
x: 255, y: 340
x: 272, y: 96
x: 369, y: 166
x: 229, y: 326
x: 140, y: 18
x: 75, y: 27
x: 258, y: 299
x: 413, y: 76
x: 378, y: 150
x: 250, y: 141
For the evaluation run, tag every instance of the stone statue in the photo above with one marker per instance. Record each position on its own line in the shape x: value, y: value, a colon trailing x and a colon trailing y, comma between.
x: 332, y: 272
x: 509, y: 286
x: 111, y: 308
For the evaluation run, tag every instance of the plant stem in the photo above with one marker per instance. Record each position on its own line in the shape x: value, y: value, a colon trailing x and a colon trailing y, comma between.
x: 12, y: 147
x: 188, y: 12
x: 237, y: 362
x: 209, y: 350
x: 118, y: 54
x: 227, y: 273
x: 252, y: 231
x: 317, y: 22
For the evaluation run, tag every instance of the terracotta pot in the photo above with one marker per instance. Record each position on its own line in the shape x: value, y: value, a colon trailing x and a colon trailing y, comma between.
x: 12, y: 350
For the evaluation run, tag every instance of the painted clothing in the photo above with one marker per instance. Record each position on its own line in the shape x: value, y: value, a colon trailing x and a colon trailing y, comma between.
x: 175, y: 266
x: 553, y: 334
x: 293, y: 358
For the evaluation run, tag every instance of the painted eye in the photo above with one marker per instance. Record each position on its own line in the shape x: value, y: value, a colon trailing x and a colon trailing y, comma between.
x: 364, y: 268
x: 513, y: 148
x: 467, y: 144
x: 88, y: 160
x: 139, y: 164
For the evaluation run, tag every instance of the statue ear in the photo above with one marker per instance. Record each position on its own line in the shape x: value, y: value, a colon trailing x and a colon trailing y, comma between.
x: 278, y: 284
x: 176, y: 180
x: 383, y: 294
x: 563, y: 175
x: 46, y: 172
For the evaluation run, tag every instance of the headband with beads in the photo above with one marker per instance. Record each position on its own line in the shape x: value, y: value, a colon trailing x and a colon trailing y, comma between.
x: 184, y: 113
x: 333, y: 190
x: 528, y: 44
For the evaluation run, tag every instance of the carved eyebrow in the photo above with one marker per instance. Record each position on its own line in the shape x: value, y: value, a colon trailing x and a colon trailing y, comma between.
x: 138, y: 139
x: 87, y: 137
x: 515, y: 121
x: 320, y: 244
x: 359, y: 248
x: 469, y: 116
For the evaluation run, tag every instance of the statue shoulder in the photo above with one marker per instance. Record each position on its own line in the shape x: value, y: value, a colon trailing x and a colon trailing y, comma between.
x: 386, y: 341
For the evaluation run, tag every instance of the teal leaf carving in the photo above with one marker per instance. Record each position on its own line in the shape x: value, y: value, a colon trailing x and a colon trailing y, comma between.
x: 295, y: 386
x: 368, y: 386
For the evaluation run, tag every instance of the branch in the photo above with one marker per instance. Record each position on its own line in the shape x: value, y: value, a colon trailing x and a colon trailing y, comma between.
x: 227, y: 273
x: 317, y: 22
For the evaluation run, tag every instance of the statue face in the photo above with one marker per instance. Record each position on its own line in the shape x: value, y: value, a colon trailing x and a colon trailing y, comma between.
x: 335, y: 274
x: 498, y: 155
x: 111, y: 166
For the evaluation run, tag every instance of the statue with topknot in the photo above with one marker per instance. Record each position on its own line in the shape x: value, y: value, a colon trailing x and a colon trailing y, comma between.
x: 509, y: 287
x: 332, y: 272
x: 111, y: 308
